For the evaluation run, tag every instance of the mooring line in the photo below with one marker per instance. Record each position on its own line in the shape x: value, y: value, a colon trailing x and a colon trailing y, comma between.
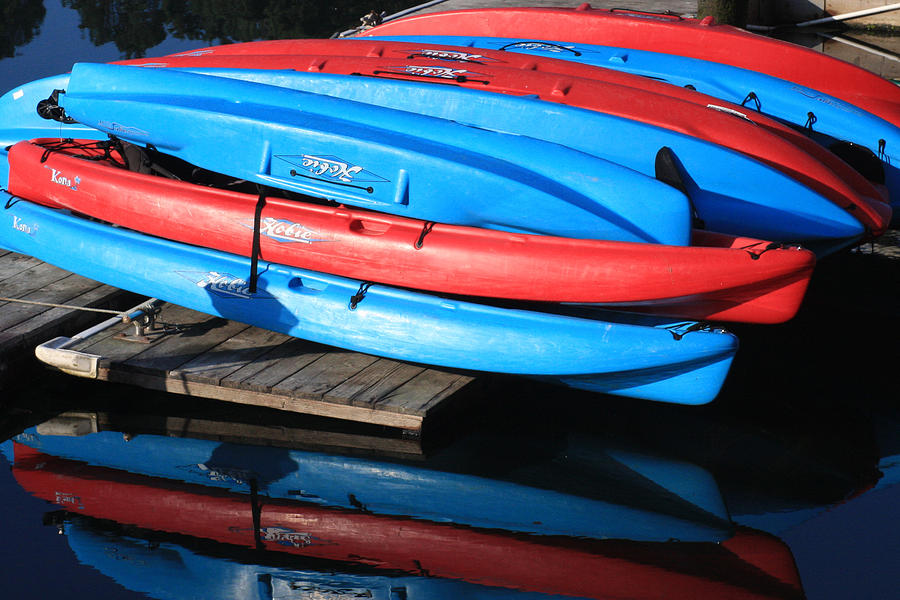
x: 69, y: 306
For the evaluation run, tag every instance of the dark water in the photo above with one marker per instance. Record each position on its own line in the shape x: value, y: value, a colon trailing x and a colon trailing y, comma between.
x: 784, y: 487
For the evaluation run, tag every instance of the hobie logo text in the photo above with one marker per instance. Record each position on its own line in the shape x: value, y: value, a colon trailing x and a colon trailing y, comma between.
x: 319, y: 165
x: 287, y: 231
x: 555, y: 48
x: 450, y: 55
x: 223, y: 284
x: 439, y: 72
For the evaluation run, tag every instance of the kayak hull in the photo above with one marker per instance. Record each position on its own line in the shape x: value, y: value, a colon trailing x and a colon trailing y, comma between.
x: 377, y: 158
x: 626, y: 354
x: 560, y: 82
x: 729, y: 191
x: 834, y: 121
x: 692, y: 38
x: 719, y: 277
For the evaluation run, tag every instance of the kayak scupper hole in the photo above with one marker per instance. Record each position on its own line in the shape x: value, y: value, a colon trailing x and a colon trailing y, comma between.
x: 307, y: 285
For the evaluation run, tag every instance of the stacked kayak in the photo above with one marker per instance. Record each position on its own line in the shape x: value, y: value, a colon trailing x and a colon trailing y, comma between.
x: 844, y: 107
x: 377, y: 158
x: 631, y: 355
x: 440, y: 134
x: 670, y: 34
x: 718, y: 276
x: 570, y: 83
x: 482, y: 210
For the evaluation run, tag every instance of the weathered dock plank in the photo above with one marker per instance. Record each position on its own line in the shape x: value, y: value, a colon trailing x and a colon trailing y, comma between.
x: 29, y: 315
x: 209, y: 357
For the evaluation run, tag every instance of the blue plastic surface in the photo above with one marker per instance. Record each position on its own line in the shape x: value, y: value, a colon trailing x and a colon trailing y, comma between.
x: 731, y: 192
x: 382, y: 159
x: 626, y: 354
x: 834, y: 119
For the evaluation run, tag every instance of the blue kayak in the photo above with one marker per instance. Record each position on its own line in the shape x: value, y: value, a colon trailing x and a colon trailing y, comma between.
x: 19, y: 119
x: 828, y: 119
x: 618, y: 353
x: 730, y: 191
x: 377, y: 158
x: 574, y: 491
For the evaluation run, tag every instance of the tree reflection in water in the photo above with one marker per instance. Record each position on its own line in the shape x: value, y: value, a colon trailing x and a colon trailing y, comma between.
x: 20, y: 22
x: 134, y: 26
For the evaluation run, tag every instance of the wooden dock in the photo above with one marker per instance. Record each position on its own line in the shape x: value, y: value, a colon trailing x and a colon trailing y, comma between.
x: 194, y: 354
x: 36, y: 316
x: 199, y: 355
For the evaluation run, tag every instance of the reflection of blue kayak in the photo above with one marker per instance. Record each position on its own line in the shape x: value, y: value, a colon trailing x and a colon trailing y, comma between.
x: 577, y: 490
x: 372, y: 157
x: 632, y: 355
x: 253, y: 528
x: 169, y: 571
x: 830, y: 118
x: 731, y: 192
x: 174, y: 569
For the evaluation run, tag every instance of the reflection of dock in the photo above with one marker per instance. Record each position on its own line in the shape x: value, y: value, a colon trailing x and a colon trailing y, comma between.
x: 209, y: 357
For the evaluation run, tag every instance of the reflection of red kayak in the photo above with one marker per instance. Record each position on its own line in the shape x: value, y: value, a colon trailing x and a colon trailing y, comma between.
x: 565, y: 82
x: 669, y: 34
x: 758, y: 566
x: 720, y: 277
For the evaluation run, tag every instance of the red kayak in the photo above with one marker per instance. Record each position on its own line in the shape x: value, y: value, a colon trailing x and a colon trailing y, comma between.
x: 719, y: 277
x: 751, y: 565
x: 670, y: 34
x: 622, y: 95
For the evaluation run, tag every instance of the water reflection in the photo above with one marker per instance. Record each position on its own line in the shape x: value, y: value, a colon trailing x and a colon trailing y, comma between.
x: 135, y: 26
x: 21, y: 23
x: 187, y: 526
x: 571, y: 485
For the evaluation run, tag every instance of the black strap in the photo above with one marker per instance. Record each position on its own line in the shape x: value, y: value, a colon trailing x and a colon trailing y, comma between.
x: 256, y: 513
x: 752, y: 97
x: 356, y: 298
x: 426, y: 229
x: 755, y: 251
x: 403, y: 76
x: 810, y: 121
x: 254, y: 251
x: 682, y: 329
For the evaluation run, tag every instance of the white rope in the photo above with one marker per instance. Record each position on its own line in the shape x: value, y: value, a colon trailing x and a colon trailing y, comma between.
x: 851, y: 15
x: 68, y: 306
